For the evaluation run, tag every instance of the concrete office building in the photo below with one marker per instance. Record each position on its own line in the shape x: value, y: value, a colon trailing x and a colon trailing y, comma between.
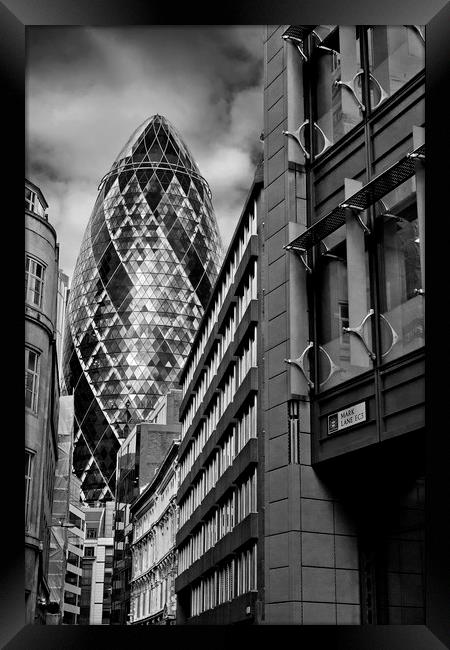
x: 220, y: 536
x: 96, y: 565
x: 344, y: 280
x: 154, y: 516
x: 302, y: 481
x: 41, y: 397
x: 149, y: 257
x: 138, y: 460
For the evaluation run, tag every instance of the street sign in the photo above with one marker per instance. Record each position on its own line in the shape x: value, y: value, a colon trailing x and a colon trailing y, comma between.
x: 347, y: 418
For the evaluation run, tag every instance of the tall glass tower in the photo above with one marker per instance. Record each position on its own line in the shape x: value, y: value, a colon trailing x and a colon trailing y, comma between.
x: 149, y: 258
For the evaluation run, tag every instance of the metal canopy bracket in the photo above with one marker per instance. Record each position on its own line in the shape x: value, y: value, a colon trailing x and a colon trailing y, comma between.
x: 298, y: 44
x: 299, y: 363
x: 416, y: 155
x: 357, y: 331
x: 355, y: 210
x: 301, y: 253
x: 350, y: 85
x: 296, y: 136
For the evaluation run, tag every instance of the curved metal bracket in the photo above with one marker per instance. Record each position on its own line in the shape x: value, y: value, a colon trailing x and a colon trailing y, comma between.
x: 296, y: 136
x: 395, y: 336
x: 301, y: 253
x: 355, y: 209
x: 418, y: 31
x: 298, y: 44
x: 333, y: 367
x: 350, y: 85
x: 326, y: 253
x: 299, y: 363
x: 416, y: 156
x: 357, y: 331
x: 383, y: 94
x: 327, y: 143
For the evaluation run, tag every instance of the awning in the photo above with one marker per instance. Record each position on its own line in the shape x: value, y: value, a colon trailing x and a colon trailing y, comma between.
x: 378, y: 187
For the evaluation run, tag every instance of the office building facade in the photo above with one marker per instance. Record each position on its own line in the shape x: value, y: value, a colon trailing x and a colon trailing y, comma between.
x: 344, y: 235
x: 220, y: 535
x: 138, y: 460
x: 319, y: 518
x: 149, y: 257
x: 41, y: 397
x: 154, y: 516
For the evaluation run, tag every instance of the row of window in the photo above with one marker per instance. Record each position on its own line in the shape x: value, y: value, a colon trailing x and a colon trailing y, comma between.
x: 245, y: 428
x: 238, y: 505
x: 235, y: 578
x: 248, y: 292
x: 354, y: 69
x: 156, y: 544
x: 375, y: 290
x: 160, y: 502
x: 247, y: 359
x: 152, y: 595
x: 249, y: 229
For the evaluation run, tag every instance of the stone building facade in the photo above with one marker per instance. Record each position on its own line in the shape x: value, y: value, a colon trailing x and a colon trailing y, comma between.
x: 154, y: 559
x: 41, y: 397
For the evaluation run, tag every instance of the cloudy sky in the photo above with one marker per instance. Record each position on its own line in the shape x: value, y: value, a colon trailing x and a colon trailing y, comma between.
x: 87, y: 90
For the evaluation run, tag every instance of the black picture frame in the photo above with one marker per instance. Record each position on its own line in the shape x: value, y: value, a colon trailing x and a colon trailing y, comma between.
x: 15, y: 17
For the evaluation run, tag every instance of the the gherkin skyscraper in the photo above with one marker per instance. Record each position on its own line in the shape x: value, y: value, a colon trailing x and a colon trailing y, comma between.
x: 149, y: 258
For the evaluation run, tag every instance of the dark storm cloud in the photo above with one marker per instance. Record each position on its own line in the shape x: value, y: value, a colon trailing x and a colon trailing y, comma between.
x: 88, y: 89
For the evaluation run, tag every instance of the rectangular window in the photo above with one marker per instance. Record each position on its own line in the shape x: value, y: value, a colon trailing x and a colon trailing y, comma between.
x: 91, y: 533
x: 34, y: 281
x: 336, y: 61
x: 33, y: 203
x: 31, y: 379
x: 30, y: 198
x: 29, y: 458
x: 401, y: 295
x: 396, y: 55
x: 345, y: 301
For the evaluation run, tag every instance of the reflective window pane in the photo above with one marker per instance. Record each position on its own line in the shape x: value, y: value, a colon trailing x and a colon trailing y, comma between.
x: 344, y: 301
x: 31, y: 379
x: 396, y: 55
x: 402, y: 303
x: 336, y: 61
x: 34, y: 281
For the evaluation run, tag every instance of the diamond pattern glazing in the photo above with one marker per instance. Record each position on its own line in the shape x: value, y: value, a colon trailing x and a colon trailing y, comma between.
x: 148, y: 260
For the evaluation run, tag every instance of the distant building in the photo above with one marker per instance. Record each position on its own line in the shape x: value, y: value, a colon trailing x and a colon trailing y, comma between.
x: 68, y: 528
x: 137, y: 461
x: 220, y: 537
x: 154, y: 515
x: 41, y: 397
x: 96, y: 565
x: 148, y: 260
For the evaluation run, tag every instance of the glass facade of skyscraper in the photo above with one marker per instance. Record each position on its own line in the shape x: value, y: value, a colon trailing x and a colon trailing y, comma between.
x: 149, y: 258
